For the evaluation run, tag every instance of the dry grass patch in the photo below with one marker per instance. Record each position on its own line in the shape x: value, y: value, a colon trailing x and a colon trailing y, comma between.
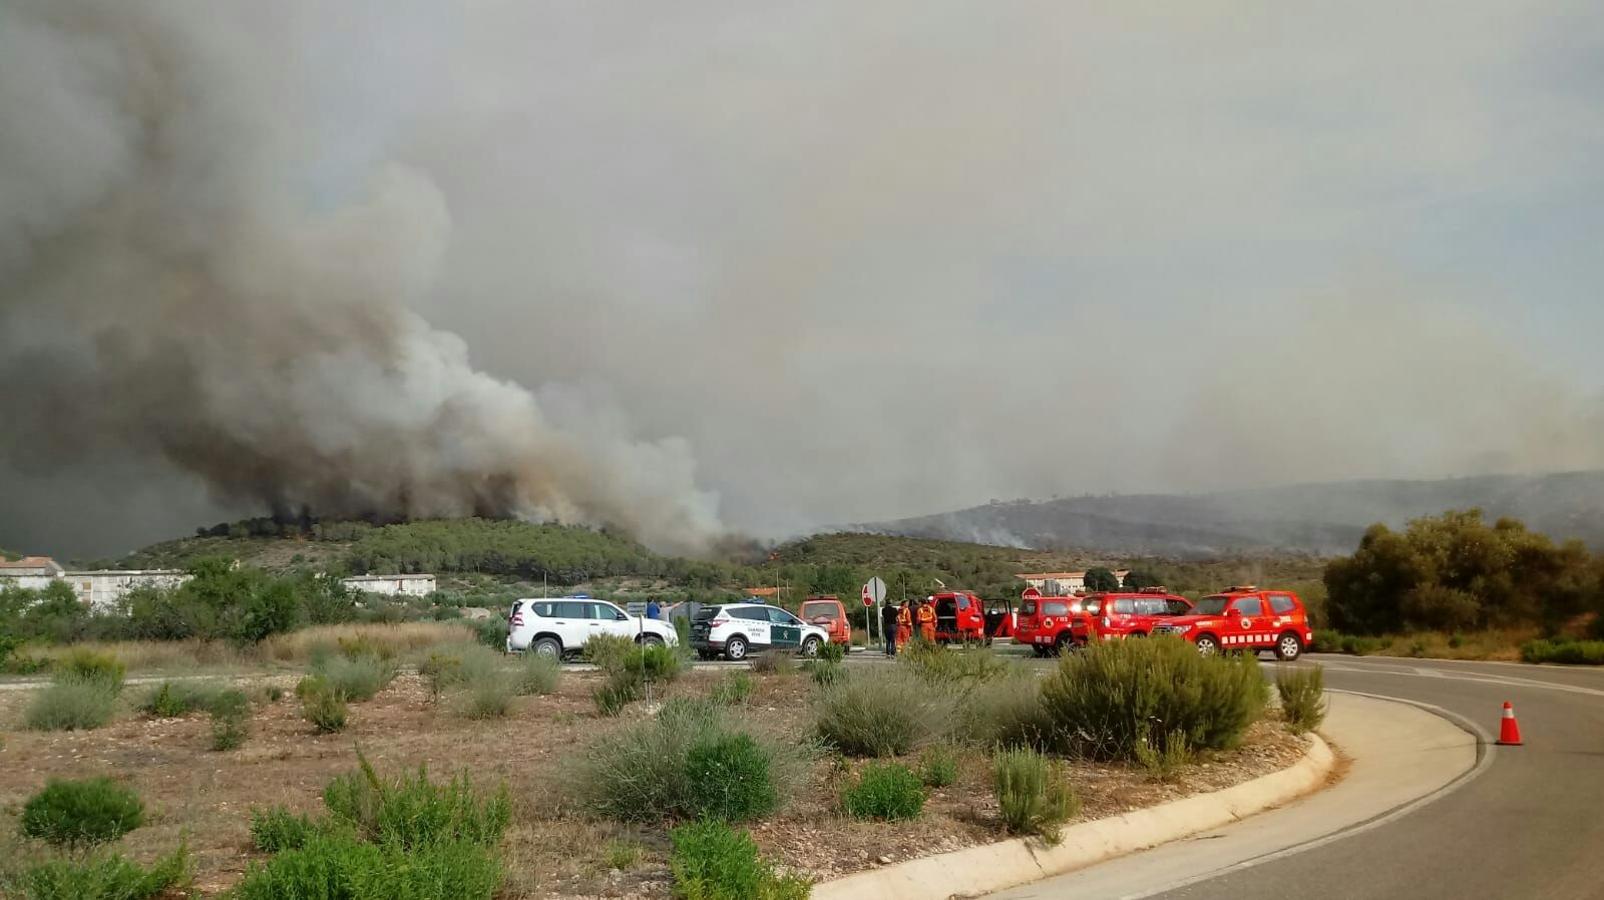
x: 390, y: 639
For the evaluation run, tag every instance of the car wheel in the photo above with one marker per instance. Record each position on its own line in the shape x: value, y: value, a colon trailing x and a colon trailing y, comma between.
x: 1062, y: 645
x: 1289, y: 647
x: 651, y: 640
x: 735, y: 648
x: 1207, y: 646
x: 548, y: 648
x: 810, y: 648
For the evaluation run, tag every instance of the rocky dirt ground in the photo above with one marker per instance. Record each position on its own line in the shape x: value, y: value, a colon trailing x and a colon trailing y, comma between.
x: 204, y: 797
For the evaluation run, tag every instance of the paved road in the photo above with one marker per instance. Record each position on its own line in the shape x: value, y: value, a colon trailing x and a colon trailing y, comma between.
x: 1531, y: 824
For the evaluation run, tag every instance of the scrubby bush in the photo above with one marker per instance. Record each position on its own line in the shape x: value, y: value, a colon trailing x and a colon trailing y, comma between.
x: 1164, y: 757
x: 363, y: 644
x: 322, y: 705
x: 1355, y: 645
x: 88, y: 665
x: 412, y: 811
x: 1005, y: 712
x: 356, y: 678
x: 1587, y: 653
x: 491, y: 632
x: 886, y: 791
x: 108, y: 877
x: 1029, y: 797
x: 732, y: 688
x: 645, y: 773
x: 938, y: 766
x: 277, y: 829
x: 172, y: 699
x: 734, y: 773
x: 934, y: 663
x: 537, y: 675
x: 72, y: 703
x: 1303, y: 703
x: 487, y: 698
x: 609, y: 652
x: 883, y: 713
x: 231, y: 712
x: 618, y: 691
x: 825, y: 674
x: 773, y: 664
x: 832, y: 652
x: 1327, y: 640
x: 712, y: 861
x: 339, y: 866
x: 1101, y: 702
x: 440, y: 671
x: 82, y: 813
x: 403, y: 837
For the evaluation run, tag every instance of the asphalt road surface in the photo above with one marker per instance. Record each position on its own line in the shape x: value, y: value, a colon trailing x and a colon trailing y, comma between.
x: 1531, y: 825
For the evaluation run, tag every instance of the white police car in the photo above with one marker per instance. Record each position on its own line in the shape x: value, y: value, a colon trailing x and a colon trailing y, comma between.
x: 737, y: 629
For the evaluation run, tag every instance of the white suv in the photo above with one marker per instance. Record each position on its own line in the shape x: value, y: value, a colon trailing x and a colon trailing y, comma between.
x: 734, y: 629
x: 561, y: 626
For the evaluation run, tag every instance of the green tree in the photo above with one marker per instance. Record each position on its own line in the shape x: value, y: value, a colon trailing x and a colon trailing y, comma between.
x: 1137, y: 579
x: 1101, y: 579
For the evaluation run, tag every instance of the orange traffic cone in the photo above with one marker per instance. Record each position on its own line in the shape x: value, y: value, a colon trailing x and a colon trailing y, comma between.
x: 1508, y: 728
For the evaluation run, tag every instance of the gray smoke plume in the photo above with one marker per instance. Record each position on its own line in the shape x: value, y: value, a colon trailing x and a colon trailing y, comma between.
x: 869, y: 260
x: 183, y: 280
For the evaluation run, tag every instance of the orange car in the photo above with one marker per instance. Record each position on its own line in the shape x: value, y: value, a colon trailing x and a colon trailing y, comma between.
x: 828, y: 613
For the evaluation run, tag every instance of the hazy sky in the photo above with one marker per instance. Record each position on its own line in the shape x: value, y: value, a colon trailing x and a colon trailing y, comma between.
x: 879, y: 259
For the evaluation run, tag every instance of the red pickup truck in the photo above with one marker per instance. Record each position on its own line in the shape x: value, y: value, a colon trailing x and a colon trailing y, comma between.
x: 1245, y: 619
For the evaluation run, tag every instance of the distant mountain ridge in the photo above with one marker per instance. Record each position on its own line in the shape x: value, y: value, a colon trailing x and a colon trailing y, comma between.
x: 1324, y: 519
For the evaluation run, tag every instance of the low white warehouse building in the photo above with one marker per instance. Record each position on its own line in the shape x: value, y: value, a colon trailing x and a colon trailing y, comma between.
x: 98, y: 588
x: 417, y: 585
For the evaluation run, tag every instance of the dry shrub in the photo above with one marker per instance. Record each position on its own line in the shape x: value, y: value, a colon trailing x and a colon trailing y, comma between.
x: 397, y: 639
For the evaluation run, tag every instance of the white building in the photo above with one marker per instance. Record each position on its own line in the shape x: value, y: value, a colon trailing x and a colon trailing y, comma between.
x: 31, y: 572
x: 417, y: 585
x: 1063, y: 584
x: 103, y: 588
x: 98, y: 589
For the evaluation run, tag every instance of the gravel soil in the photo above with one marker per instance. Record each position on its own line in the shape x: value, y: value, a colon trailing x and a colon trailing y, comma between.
x: 203, y: 797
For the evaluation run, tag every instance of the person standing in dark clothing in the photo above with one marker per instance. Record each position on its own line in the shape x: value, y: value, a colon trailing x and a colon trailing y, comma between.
x: 888, y: 626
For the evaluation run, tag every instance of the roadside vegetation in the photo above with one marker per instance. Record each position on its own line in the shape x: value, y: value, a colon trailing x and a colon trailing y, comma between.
x: 717, y: 786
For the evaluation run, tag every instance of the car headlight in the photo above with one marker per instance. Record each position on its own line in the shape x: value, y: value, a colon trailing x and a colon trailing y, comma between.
x: 1180, y: 629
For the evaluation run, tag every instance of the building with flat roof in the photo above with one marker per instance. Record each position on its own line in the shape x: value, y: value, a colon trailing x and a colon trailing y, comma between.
x: 412, y: 585
x: 1063, y: 584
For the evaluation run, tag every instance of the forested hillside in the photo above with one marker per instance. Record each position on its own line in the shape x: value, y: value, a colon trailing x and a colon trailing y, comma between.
x: 1320, y: 519
x: 488, y: 558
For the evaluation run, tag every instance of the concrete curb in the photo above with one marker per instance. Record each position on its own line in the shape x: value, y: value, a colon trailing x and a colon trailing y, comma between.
x: 975, y: 871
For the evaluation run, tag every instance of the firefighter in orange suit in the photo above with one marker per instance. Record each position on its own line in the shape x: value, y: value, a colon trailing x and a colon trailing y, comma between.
x: 904, y: 624
x: 927, y: 622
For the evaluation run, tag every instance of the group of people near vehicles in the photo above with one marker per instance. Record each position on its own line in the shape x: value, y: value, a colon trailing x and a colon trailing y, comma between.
x: 900, y: 621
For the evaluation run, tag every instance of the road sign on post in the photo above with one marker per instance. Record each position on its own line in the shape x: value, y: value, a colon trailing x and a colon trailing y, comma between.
x: 874, y: 592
